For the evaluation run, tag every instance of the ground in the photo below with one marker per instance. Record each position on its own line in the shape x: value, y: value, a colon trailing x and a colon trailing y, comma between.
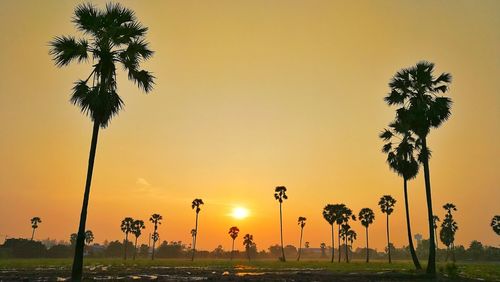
x: 240, y: 270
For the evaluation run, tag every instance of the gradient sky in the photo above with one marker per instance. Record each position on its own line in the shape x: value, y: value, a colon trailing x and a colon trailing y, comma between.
x: 250, y: 95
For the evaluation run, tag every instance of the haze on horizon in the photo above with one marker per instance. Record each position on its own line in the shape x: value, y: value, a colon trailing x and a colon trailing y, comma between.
x: 250, y: 95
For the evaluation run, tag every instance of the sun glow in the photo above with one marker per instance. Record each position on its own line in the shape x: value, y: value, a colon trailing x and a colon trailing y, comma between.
x: 239, y: 213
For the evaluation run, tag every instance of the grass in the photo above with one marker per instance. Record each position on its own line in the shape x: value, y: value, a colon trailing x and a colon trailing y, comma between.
x: 487, y: 271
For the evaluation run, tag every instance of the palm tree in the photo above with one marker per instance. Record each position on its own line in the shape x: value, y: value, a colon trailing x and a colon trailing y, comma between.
x: 342, y: 215
x: 233, y: 233
x: 280, y: 196
x: 346, y: 233
x: 196, y: 205
x: 302, y: 222
x: 448, y: 229
x: 386, y: 204
x: 112, y: 35
x: 329, y: 216
x: 401, y: 159
x: 137, y: 225
x: 366, y: 216
x: 416, y: 91
x: 156, y: 220
x: 435, y: 220
x: 34, y: 225
x: 72, y: 239
x: 89, y: 237
x: 322, y: 246
x: 495, y: 224
x: 248, y: 243
x: 126, y: 226
x: 351, y: 236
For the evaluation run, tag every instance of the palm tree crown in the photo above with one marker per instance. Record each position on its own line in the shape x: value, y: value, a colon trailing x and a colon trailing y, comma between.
x: 111, y: 36
x: 155, y: 219
x: 301, y: 221
x: 495, y: 224
x: 127, y: 225
x: 366, y: 216
x: 137, y: 225
x: 233, y: 232
x: 196, y: 204
x: 89, y: 237
x: 280, y: 193
x: 35, y: 221
x: 386, y: 204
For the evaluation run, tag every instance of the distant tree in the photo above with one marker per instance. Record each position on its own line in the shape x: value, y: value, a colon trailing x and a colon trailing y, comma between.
x: 366, y: 216
x: 302, y: 222
x: 24, y: 248
x: 386, y: 204
x: 329, y: 213
x: 196, y: 206
x: 344, y: 234
x: 137, y: 227
x: 307, y: 245
x: 476, y: 250
x: 233, y: 233
x: 435, y: 220
x: 156, y: 220
x: 416, y: 91
x: 322, y: 246
x: 248, y: 243
x: 448, y: 229
x: 343, y: 215
x: 280, y: 196
x: 72, y: 239
x: 144, y: 250
x: 112, y: 36
x: 351, y: 236
x: 34, y: 225
x: 495, y: 224
x: 89, y: 237
x: 401, y: 148
x: 126, y: 227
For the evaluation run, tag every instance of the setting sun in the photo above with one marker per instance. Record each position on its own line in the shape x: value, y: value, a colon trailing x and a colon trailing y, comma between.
x: 239, y: 213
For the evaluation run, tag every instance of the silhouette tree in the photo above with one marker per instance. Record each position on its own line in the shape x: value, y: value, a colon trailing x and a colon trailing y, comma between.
x: 495, y: 224
x: 448, y: 229
x: 302, y: 222
x: 280, y: 196
x: 137, y: 225
x: 196, y: 205
x: 322, y: 246
x: 386, y: 204
x: 307, y: 245
x: 416, y: 91
x: 72, y: 239
x: 351, y: 236
x: 248, y: 243
x: 34, y: 225
x: 89, y: 237
x: 156, y: 220
x: 126, y: 226
x: 347, y: 234
x: 112, y: 35
x: 401, y: 159
x: 366, y: 216
x: 233, y: 233
x: 342, y: 215
x: 435, y: 220
x: 329, y: 215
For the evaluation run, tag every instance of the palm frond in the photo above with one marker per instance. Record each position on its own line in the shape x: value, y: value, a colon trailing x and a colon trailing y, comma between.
x: 143, y: 79
x: 88, y: 19
x: 65, y: 49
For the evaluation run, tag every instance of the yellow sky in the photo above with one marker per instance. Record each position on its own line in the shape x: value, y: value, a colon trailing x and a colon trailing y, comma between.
x: 250, y: 95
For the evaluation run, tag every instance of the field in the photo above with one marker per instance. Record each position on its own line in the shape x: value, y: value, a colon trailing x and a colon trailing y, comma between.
x: 261, y: 270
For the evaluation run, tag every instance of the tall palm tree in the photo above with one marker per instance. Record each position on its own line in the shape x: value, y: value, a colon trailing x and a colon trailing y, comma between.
x: 345, y: 230
x: 351, y: 237
x: 435, y: 220
x: 302, y: 222
x: 34, y: 225
x: 137, y: 225
x: 111, y: 35
x: 366, y: 216
x: 233, y: 233
x: 127, y: 227
x: 248, y: 243
x: 416, y: 91
x: 386, y: 204
x: 329, y: 215
x: 401, y: 159
x: 196, y: 206
x: 342, y: 215
x: 280, y: 196
x: 448, y: 229
x: 495, y: 224
x: 156, y: 220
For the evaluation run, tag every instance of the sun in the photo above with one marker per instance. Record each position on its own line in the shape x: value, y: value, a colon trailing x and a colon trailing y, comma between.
x: 239, y: 213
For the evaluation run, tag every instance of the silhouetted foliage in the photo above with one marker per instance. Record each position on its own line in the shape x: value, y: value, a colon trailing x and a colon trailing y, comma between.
x: 249, y: 245
x: 23, y: 248
x: 495, y: 224
x: 171, y: 250
x: 280, y: 196
x: 386, y: 204
x: 366, y: 216
x: 196, y: 206
x: 156, y: 220
x: 34, y: 225
x: 233, y: 233
x: 137, y: 227
x: 301, y: 222
x: 448, y: 229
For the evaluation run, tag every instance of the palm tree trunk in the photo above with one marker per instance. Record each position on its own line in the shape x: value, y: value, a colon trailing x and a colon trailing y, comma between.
x: 135, y: 248
x: 408, y: 228
x: 281, y: 233
x: 232, y: 250
x: 248, y: 253
x: 333, y: 245
x: 76, y: 271
x: 346, y: 250
x: 153, y: 251
x: 33, y: 234
x: 388, y: 240
x: 300, y: 243
x: 195, y: 235
x: 125, y: 246
x: 339, y: 241
x: 431, y: 263
x: 367, y: 250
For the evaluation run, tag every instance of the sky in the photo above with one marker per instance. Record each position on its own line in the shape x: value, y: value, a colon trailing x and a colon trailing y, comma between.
x: 250, y: 95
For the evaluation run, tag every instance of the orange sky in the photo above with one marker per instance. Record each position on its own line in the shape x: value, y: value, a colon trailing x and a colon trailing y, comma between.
x: 250, y: 95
